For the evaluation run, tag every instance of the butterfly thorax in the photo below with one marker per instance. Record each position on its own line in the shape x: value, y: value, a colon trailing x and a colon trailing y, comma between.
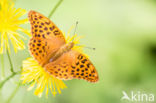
x: 63, y: 49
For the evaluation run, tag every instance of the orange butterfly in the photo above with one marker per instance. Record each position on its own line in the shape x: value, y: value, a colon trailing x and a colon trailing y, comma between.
x: 48, y: 46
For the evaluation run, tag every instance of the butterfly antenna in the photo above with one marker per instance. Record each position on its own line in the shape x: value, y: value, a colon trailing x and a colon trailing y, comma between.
x: 90, y: 48
x: 74, y: 31
x: 86, y: 47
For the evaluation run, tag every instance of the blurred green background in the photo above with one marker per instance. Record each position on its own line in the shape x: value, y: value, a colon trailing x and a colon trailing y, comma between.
x: 124, y: 35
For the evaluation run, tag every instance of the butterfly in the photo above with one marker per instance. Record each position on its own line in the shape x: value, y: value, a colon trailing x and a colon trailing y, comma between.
x: 49, y: 48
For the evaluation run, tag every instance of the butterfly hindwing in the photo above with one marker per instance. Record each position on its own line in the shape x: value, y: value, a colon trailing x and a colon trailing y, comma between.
x: 72, y: 65
x: 46, y: 37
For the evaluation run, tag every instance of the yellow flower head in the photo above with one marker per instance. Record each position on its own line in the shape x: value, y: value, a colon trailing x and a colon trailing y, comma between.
x: 10, y: 26
x: 35, y: 74
x: 75, y: 39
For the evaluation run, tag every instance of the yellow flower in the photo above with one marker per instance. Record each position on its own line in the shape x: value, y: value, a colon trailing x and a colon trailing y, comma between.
x: 75, y: 39
x: 10, y: 26
x: 34, y: 74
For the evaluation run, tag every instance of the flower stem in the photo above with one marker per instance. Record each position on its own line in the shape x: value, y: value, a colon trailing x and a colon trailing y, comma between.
x: 1, y: 96
x: 54, y: 9
x: 6, y: 79
x: 13, y: 93
x: 11, y: 65
x: 2, y: 65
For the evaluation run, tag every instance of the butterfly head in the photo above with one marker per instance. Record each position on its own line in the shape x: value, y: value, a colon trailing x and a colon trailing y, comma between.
x: 67, y: 47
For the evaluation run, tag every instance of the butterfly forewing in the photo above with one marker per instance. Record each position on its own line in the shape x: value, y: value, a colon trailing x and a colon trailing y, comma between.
x: 42, y: 27
x: 46, y: 37
x: 72, y: 65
